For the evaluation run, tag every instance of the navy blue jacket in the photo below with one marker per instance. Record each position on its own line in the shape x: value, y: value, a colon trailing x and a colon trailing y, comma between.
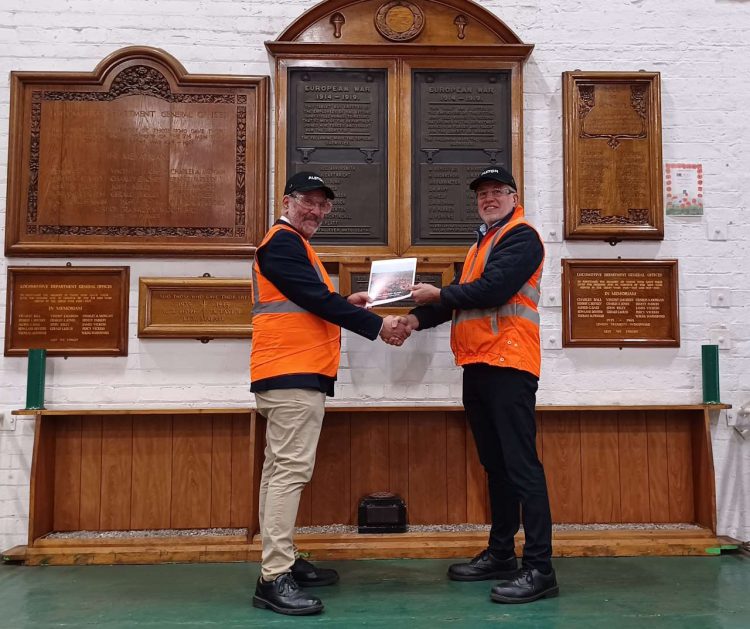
x: 283, y: 261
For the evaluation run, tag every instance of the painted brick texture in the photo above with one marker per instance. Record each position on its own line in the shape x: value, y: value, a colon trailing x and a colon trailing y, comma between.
x: 701, y: 50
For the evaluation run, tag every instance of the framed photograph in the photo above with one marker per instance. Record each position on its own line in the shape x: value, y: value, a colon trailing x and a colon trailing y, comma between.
x: 684, y: 187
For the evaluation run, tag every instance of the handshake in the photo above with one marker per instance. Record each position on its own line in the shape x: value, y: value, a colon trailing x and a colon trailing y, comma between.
x: 396, y: 329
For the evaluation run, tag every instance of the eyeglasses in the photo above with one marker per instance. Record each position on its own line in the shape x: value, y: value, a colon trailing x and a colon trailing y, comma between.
x: 323, y: 206
x: 495, y: 192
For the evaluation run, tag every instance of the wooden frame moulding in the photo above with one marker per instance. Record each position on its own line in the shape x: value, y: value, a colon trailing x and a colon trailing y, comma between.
x: 104, y: 197
x: 618, y: 194
x: 67, y: 310
x: 455, y: 34
x: 620, y: 303
x: 195, y: 307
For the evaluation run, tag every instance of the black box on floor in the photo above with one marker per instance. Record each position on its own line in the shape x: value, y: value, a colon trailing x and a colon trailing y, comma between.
x: 382, y: 512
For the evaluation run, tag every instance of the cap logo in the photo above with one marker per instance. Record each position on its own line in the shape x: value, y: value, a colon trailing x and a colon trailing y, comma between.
x: 490, y: 170
x: 315, y: 178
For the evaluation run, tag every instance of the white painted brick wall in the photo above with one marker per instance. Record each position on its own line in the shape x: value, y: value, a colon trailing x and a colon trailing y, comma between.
x: 701, y: 49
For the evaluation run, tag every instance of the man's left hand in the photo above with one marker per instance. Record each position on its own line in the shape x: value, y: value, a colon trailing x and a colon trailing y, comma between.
x: 359, y: 299
x: 425, y: 293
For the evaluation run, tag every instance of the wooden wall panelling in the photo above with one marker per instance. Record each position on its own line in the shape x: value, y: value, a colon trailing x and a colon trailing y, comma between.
x: 221, y: 471
x: 117, y: 464
x: 91, y: 472
x: 600, y: 468
x: 634, y: 472
x: 67, y: 474
x: 658, y: 475
x: 369, y: 457
x: 703, y: 470
x: 191, y: 472
x: 427, y: 468
x: 42, y: 482
x: 246, y: 431
x: 456, y: 428
x: 255, y: 449
x: 151, y: 498
x: 679, y: 467
x: 477, y: 505
x: 562, y: 465
x: 331, y: 482
x: 398, y: 455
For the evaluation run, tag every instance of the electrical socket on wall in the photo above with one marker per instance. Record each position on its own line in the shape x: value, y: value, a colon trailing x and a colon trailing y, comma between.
x: 551, y: 297
x: 552, y: 339
x: 552, y: 232
x: 720, y: 297
x: 7, y: 421
x: 720, y: 337
x: 717, y: 230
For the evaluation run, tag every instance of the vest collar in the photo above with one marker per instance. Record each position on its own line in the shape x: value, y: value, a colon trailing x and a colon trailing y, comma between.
x: 483, y: 230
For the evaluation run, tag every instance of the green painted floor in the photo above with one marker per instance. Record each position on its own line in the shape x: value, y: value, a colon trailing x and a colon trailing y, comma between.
x: 609, y: 593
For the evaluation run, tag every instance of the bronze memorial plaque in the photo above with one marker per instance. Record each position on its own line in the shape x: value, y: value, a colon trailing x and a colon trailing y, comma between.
x: 620, y: 303
x: 355, y: 278
x: 69, y: 311
x: 195, y: 307
x: 338, y: 127
x: 461, y: 124
x: 612, y: 155
x: 137, y: 157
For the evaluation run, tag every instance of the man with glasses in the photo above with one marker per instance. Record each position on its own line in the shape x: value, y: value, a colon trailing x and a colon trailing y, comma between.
x: 297, y: 321
x: 495, y: 338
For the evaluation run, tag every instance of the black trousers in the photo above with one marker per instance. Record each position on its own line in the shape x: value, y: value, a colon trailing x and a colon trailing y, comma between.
x: 500, y: 403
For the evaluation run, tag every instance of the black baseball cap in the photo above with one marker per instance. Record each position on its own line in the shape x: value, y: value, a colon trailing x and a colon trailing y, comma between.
x: 307, y: 180
x: 494, y: 173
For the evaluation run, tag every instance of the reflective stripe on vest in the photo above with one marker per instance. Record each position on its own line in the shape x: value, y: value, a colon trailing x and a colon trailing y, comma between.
x: 275, y: 307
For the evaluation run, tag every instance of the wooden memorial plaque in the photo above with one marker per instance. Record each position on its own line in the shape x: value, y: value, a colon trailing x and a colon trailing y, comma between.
x: 69, y: 311
x: 136, y: 157
x: 355, y: 277
x: 620, y: 303
x: 398, y: 105
x: 612, y: 155
x: 195, y: 307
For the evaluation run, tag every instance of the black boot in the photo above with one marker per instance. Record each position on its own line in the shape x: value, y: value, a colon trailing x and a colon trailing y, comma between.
x: 307, y: 575
x: 484, y: 566
x: 529, y: 585
x: 284, y: 596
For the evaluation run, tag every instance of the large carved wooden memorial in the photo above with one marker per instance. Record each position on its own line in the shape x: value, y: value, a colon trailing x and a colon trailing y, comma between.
x: 69, y: 311
x: 194, y: 307
x: 136, y: 157
x: 620, y: 303
x: 612, y: 154
x: 399, y: 105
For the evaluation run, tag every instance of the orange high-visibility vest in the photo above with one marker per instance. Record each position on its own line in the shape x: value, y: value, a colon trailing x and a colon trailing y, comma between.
x: 286, y: 338
x: 507, y: 336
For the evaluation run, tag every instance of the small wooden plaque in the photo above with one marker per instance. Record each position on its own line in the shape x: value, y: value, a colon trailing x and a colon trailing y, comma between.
x: 69, y: 311
x: 355, y: 277
x: 136, y: 157
x: 612, y: 155
x: 195, y: 307
x: 620, y: 303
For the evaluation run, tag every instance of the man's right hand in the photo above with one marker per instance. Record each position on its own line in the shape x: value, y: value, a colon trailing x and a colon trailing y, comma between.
x: 395, y: 330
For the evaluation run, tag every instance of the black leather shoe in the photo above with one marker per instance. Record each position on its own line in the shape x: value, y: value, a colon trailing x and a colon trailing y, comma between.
x: 284, y: 596
x: 529, y: 585
x: 484, y: 566
x: 307, y: 575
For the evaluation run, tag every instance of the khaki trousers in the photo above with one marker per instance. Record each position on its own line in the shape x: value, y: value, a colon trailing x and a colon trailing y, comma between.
x: 293, y: 421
